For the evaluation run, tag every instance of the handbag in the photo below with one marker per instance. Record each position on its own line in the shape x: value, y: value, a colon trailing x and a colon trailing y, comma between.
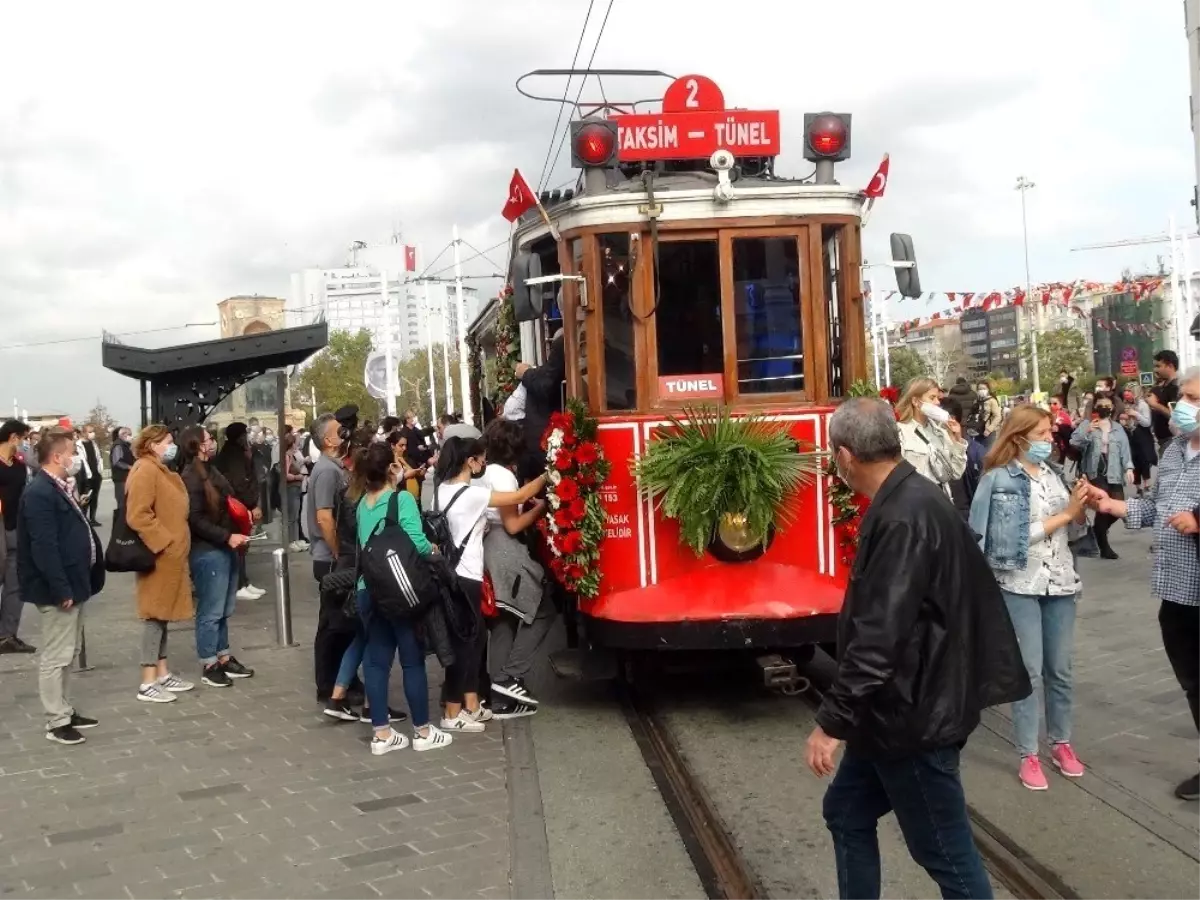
x: 487, y: 601
x: 126, y: 552
x: 243, y: 521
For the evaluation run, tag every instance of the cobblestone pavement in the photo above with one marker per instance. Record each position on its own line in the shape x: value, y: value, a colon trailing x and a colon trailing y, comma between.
x: 1132, y: 725
x: 243, y: 792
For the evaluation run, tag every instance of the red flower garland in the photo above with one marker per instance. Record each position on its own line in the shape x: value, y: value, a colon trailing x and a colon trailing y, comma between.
x: 575, y: 467
x: 848, y: 506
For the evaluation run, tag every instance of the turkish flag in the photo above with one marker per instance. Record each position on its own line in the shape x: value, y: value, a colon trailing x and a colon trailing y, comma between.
x: 410, y: 259
x: 520, y: 198
x: 879, y: 183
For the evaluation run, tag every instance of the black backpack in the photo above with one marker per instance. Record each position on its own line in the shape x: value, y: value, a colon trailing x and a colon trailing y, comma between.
x: 397, y: 576
x: 437, y: 529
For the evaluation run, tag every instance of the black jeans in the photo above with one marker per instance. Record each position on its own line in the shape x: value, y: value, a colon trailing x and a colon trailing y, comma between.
x: 926, y: 793
x: 1181, y: 639
x: 94, y: 500
x: 335, y: 633
x: 1103, y: 520
x: 463, y: 677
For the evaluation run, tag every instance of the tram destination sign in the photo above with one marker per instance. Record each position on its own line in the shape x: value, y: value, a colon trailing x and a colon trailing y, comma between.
x: 693, y: 124
x: 691, y: 387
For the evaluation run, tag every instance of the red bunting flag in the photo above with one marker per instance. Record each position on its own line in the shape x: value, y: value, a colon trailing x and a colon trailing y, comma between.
x: 410, y: 259
x: 879, y: 182
x: 520, y: 198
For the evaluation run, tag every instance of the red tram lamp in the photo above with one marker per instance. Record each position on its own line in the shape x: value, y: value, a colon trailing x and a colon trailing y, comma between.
x: 593, y: 144
x: 826, y: 141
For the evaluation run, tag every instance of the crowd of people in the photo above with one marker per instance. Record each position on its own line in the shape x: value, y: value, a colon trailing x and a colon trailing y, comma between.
x: 944, y: 618
x: 186, y: 512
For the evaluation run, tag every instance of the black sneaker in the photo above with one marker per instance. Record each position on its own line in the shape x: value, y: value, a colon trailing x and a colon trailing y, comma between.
x: 513, y: 710
x: 13, y: 644
x: 514, y: 689
x: 394, y: 715
x: 81, y: 722
x: 214, y: 676
x: 65, y: 734
x: 1190, y: 789
x: 235, y: 669
x: 341, y: 711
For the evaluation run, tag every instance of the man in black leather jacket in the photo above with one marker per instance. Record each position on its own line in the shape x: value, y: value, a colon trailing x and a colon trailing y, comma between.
x: 924, y: 645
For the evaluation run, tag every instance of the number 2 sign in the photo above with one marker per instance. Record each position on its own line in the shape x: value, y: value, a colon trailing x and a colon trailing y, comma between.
x: 693, y: 93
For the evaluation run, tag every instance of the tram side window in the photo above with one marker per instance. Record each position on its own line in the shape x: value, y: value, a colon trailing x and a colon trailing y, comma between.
x: 580, y: 321
x: 688, y: 320
x: 620, y: 370
x: 831, y: 271
x: 770, y: 337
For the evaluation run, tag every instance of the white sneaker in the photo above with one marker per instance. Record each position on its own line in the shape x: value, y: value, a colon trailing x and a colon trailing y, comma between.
x: 175, y: 684
x: 482, y: 715
x: 463, y: 722
x: 396, y: 742
x: 155, y: 693
x: 246, y: 594
x: 435, y: 740
x: 256, y: 591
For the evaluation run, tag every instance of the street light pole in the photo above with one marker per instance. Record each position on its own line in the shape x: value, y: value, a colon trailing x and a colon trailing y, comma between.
x: 1023, y: 185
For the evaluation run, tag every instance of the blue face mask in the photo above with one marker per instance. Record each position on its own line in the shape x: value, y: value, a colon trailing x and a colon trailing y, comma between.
x: 1038, y: 452
x: 1183, y: 417
x: 169, y: 453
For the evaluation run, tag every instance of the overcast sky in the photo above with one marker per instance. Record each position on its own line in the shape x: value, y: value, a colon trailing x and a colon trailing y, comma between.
x: 153, y: 162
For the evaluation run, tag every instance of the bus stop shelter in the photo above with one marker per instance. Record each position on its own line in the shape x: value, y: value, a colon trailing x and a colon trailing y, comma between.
x: 181, y: 385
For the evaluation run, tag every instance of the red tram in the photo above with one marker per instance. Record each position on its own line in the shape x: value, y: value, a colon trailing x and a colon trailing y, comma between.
x: 686, y: 272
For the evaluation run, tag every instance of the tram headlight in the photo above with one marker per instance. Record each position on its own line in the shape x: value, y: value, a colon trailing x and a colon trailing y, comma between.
x: 826, y: 136
x: 593, y: 143
x: 735, y: 541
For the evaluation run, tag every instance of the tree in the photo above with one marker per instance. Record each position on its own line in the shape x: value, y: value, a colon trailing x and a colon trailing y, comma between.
x: 945, y: 364
x: 414, y: 382
x: 1060, y: 350
x: 103, y: 423
x: 1002, y: 385
x: 906, y: 364
x: 336, y: 374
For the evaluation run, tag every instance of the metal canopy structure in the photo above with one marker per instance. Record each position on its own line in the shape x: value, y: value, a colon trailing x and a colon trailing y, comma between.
x: 181, y: 385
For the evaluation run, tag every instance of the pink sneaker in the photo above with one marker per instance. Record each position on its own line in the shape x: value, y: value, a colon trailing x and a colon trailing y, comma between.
x: 1066, y: 760
x: 1031, y: 774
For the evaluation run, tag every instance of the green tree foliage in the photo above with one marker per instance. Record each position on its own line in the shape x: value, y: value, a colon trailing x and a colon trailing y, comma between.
x: 1063, y: 349
x: 414, y: 382
x: 336, y: 374
x: 906, y: 365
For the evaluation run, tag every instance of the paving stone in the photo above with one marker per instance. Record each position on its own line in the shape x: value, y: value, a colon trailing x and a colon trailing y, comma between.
x: 240, y: 793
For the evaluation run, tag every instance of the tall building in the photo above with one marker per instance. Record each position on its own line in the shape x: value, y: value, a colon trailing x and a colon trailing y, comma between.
x: 350, y: 298
x: 991, y: 342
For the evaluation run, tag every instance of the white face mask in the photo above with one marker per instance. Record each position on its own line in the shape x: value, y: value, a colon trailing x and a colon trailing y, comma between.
x: 74, y: 465
x: 935, y: 413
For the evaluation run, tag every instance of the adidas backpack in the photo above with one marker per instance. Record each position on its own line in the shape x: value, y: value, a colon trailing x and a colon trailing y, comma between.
x: 437, y: 529
x: 397, y: 576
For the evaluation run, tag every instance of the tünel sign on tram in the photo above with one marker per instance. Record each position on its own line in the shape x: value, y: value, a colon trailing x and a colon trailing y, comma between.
x: 691, y: 387
x: 694, y: 124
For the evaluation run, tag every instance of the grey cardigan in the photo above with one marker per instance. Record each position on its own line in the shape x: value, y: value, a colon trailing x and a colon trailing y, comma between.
x: 516, y: 576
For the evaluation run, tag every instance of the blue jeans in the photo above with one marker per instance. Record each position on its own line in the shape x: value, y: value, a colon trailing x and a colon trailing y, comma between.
x: 926, y: 793
x: 352, y: 658
x: 385, y: 640
x: 1045, y: 629
x: 215, y: 579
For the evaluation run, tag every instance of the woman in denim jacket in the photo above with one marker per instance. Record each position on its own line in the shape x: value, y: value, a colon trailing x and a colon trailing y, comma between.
x: 1020, y: 514
x: 1107, y: 461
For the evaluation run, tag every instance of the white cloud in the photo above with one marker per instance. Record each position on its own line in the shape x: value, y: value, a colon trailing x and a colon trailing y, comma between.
x: 154, y: 158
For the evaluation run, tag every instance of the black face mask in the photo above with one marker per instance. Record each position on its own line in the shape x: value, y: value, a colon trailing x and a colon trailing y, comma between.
x: 1103, y: 411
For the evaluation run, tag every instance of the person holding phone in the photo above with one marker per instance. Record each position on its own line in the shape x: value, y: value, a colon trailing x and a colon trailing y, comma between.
x: 410, y: 474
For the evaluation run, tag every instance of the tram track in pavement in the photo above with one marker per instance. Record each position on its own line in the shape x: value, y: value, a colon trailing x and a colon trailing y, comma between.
x: 723, y: 869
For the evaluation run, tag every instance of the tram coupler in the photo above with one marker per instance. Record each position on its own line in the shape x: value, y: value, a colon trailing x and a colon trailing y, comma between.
x: 781, y: 674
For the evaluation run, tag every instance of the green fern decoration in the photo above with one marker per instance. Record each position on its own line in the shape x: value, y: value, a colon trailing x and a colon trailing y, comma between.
x: 706, y: 464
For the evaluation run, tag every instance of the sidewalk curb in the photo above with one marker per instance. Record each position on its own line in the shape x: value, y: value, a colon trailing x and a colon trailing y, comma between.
x: 529, y: 874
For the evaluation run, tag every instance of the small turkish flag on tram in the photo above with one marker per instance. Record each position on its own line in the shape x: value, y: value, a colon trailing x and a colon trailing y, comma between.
x: 410, y: 258
x: 520, y: 197
x: 879, y: 183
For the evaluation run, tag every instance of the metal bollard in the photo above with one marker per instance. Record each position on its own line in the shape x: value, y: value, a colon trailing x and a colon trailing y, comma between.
x: 283, y: 599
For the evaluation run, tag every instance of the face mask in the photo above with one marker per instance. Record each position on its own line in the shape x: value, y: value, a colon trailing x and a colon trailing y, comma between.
x: 1038, y: 452
x: 935, y: 413
x: 1103, y: 412
x: 73, y: 466
x: 1183, y: 417
x: 169, y: 453
x: 1129, y: 398
x: 983, y: 392
x: 23, y: 448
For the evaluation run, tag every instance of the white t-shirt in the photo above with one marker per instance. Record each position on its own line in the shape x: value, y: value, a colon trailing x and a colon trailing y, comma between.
x: 467, y: 515
x: 500, y: 480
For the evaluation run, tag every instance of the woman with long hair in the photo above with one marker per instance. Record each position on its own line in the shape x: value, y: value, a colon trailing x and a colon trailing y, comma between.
x: 930, y: 438
x: 410, y: 475
x: 1022, y: 508
x: 459, y: 461
x: 388, y: 638
x: 213, y: 560
x: 156, y: 507
x: 1106, y: 461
